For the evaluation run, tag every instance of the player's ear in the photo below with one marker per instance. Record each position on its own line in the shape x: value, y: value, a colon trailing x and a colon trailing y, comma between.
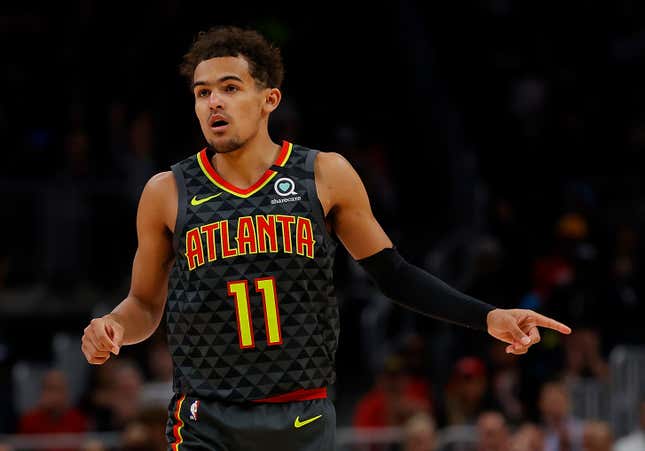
x: 272, y: 99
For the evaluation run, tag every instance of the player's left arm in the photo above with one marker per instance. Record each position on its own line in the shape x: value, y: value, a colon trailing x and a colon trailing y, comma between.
x: 347, y: 208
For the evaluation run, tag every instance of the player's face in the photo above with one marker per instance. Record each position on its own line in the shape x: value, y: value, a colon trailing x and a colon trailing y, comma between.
x: 229, y: 104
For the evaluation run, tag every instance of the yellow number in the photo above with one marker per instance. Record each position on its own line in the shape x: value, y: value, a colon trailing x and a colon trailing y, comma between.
x: 265, y: 286
x: 239, y: 289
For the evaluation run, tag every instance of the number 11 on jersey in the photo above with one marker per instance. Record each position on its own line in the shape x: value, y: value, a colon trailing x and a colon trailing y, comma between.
x: 265, y: 286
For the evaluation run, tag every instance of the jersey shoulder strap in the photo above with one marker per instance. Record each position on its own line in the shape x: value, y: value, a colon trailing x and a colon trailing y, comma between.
x: 180, y: 170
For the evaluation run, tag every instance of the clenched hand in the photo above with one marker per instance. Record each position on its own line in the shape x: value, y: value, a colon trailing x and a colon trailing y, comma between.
x: 102, y: 336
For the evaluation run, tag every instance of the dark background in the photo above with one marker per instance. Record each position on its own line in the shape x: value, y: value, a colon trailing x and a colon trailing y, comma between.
x: 479, y: 128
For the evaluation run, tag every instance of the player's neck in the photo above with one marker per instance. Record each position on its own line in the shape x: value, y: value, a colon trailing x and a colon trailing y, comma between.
x: 246, y: 165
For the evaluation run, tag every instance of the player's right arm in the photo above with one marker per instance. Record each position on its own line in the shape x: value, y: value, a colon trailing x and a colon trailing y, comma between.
x: 140, y: 313
x: 347, y: 207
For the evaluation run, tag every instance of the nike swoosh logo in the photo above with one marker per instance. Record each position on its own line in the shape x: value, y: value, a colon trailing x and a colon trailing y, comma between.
x: 300, y: 424
x: 195, y: 202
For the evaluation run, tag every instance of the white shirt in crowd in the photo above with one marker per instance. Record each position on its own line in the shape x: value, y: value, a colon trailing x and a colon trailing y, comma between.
x: 633, y: 442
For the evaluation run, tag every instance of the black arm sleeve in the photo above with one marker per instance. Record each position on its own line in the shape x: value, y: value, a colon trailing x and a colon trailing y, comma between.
x: 416, y: 289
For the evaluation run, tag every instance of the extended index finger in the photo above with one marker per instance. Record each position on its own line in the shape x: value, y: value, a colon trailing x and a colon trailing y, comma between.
x: 544, y: 321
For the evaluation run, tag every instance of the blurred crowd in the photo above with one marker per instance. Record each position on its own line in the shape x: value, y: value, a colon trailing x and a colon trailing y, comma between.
x: 510, y: 165
x: 121, y: 400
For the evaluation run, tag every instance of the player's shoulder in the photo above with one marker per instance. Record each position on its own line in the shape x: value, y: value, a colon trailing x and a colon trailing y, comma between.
x: 329, y: 163
x: 161, y: 179
x: 161, y: 184
x: 158, y: 203
x: 336, y: 179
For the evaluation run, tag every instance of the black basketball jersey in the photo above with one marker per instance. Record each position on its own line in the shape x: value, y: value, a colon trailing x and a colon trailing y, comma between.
x: 251, y: 310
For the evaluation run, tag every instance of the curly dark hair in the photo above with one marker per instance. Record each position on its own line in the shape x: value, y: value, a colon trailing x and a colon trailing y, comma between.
x: 265, y: 60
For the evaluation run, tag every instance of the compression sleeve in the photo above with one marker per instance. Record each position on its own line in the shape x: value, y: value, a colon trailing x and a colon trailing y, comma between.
x: 416, y: 289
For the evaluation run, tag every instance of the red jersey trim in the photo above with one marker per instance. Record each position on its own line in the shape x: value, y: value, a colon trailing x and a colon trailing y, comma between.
x: 213, y: 176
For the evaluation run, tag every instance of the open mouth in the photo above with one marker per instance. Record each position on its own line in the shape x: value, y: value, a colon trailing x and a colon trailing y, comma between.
x: 219, y: 124
x: 217, y: 121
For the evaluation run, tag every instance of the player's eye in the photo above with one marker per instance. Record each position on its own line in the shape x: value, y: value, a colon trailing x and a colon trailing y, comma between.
x: 231, y: 88
x: 203, y: 93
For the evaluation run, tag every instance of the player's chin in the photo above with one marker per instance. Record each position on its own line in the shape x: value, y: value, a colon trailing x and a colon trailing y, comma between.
x: 212, y: 135
x: 221, y: 132
x: 224, y: 144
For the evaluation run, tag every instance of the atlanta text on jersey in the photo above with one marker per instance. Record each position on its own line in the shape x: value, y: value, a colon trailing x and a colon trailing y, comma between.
x: 255, y: 235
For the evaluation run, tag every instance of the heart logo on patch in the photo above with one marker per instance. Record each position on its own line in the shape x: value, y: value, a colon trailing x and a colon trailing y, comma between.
x: 285, y: 187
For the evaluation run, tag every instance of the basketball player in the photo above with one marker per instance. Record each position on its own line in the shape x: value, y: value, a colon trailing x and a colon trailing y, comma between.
x: 236, y: 244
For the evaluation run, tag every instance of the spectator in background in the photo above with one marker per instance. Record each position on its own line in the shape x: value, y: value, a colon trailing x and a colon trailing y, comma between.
x: 414, y: 359
x: 576, y: 296
x: 555, y: 269
x: 135, y: 437
x: 626, y: 287
x: 53, y: 414
x: 636, y: 440
x: 93, y: 445
x: 153, y: 419
x: 506, y: 380
x: 569, y: 270
x: 392, y: 400
x: 597, y: 436
x: 528, y: 437
x: 125, y: 399
x: 157, y: 390
x: 146, y: 432
x: 492, y: 432
x: 96, y: 400
x: 7, y: 413
x: 583, y: 358
x: 465, y: 396
x: 419, y: 433
x: 563, y: 431
x: 115, y: 396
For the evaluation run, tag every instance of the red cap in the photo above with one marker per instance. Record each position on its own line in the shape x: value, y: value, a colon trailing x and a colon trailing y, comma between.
x: 470, y: 366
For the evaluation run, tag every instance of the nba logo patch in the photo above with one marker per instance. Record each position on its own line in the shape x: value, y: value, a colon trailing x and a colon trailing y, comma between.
x: 193, y: 410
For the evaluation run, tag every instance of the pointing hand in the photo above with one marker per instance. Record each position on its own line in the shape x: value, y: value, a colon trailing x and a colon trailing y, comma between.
x: 519, y: 328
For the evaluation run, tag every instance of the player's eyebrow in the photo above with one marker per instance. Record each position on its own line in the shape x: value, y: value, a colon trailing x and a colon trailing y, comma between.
x: 219, y: 80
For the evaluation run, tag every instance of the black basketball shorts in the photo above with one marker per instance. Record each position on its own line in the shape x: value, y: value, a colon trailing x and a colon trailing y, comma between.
x: 195, y: 424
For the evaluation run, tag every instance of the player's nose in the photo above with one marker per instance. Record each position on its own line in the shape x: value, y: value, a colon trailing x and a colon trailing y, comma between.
x: 215, y: 101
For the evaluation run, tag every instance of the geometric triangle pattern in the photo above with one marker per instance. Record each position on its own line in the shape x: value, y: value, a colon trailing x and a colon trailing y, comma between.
x: 201, y: 317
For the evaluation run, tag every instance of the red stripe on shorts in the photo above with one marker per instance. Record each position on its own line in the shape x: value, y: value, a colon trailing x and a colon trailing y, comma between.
x: 297, y: 395
x: 179, y: 423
